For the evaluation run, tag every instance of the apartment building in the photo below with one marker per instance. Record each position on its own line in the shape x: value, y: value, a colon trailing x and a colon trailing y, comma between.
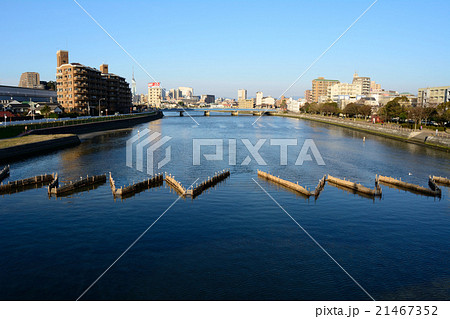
x: 155, y: 93
x: 242, y: 94
x: 320, y: 88
x: 82, y: 88
x: 340, y: 89
x: 246, y: 104
x: 30, y: 80
x: 433, y: 96
x: 308, y: 96
x: 363, y: 81
x: 259, y: 98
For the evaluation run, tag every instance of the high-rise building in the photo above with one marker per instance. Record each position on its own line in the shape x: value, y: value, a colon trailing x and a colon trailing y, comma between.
x: 363, y: 81
x: 29, y: 80
x: 242, y: 94
x: 186, y: 92
x: 154, y: 94
x: 308, y: 96
x: 433, y: 96
x: 259, y: 98
x: 320, y: 87
x: 81, y: 88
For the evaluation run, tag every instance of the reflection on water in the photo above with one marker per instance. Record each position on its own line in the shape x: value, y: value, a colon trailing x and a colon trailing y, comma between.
x: 232, y: 242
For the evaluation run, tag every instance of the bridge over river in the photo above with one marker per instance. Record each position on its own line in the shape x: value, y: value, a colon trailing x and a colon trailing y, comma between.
x: 208, y: 111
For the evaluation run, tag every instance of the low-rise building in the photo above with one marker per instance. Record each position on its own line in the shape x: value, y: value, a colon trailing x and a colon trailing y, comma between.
x: 246, y: 104
x: 9, y: 93
x: 207, y: 99
x: 293, y: 105
x: 433, y: 96
x: 268, y: 102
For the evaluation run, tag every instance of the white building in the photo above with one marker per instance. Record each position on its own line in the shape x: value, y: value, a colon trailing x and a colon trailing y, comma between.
x: 268, y: 102
x: 293, y: 105
x: 259, y: 98
x: 154, y: 94
x: 351, y: 90
x: 363, y: 81
x: 433, y: 96
x: 242, y: 94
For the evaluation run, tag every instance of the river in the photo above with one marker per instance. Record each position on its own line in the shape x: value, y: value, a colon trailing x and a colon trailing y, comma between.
x: 233, y: 242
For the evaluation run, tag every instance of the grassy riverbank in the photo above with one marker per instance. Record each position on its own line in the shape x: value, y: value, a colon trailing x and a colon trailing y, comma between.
x: 391, y: 134
x: 29, y: 139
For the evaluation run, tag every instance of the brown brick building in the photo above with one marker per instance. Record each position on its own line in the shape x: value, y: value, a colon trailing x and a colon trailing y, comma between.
x: 81, y: 88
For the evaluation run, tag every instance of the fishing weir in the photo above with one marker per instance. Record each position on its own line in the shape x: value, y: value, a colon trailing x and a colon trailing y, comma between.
x: 293, y: 186
x: 198, y: 189
x: 444, y: 181
x: 23, y: 184
x: 175, y: 185
x: 208, y: 183
x: 73, y: 187
x: 434, y: 190
x: 355, y: 187
x: 127, y: 191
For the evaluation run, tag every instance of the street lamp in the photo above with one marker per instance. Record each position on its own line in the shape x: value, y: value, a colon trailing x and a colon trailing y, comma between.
x: 103, y: 98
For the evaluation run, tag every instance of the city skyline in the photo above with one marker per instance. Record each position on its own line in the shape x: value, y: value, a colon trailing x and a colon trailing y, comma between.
x: 382, y: 45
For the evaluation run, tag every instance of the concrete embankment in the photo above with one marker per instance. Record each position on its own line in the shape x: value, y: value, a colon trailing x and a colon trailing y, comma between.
x: 99, y: 126
x: 27, y: 146
x: 49, y: 139
x: 424, y: 138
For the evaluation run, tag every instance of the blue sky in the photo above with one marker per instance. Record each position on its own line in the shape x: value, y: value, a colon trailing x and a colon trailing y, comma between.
x: 218, y: 47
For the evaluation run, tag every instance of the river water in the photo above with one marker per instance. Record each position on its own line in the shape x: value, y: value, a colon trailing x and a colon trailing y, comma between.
x: 233, y: 242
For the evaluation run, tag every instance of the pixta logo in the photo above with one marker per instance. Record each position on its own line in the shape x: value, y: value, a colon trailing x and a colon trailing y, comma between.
x: 147, y: 142
x: 253, y: 151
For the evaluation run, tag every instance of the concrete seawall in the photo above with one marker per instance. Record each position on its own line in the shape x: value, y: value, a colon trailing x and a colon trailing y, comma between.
x: 29, y: 149
x: 405, y: 135
x: 98, y: 126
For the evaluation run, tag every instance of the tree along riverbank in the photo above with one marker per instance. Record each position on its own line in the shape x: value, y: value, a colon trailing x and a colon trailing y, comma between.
x: 427, y: 138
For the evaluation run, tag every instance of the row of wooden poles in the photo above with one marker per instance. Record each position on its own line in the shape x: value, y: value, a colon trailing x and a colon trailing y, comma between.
x: 433, y: 189
x: 193, y: 191
x: 54, y: 188
x: 157, y: 180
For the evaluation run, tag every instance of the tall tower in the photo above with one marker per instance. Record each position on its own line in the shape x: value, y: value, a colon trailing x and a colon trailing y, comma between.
x: 133, y: 87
